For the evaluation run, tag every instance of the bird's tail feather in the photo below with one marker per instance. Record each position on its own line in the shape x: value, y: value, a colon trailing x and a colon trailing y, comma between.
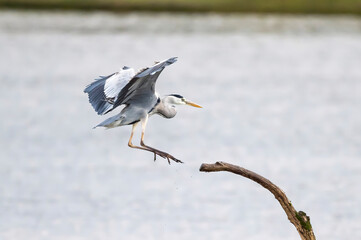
x: 111, y: 122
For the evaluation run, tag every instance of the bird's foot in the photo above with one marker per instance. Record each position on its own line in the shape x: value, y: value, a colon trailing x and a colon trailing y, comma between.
x: 165, y: 156
x: 160, y: 153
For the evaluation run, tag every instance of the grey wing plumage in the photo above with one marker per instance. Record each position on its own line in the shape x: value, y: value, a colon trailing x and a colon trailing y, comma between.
x: 103, y: 91
x: 141, y: 88
x: 125, y: 87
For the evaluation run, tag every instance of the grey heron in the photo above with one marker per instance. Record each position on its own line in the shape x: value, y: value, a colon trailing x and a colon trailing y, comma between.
x: 136, y: 91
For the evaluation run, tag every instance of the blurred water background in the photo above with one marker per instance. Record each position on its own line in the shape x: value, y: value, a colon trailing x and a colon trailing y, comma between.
x: 281, y: 96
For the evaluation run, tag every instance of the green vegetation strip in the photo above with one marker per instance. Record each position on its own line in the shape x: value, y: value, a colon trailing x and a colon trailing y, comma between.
x: 259, y: 6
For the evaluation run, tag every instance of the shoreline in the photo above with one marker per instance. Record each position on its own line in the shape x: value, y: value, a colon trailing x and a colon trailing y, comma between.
x: 338, y: 7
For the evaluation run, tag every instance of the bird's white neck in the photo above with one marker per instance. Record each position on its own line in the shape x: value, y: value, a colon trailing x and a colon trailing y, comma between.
x: 165, y: 108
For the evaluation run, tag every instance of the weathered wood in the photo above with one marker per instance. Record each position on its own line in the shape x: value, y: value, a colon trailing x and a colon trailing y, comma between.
x: 299, y: 219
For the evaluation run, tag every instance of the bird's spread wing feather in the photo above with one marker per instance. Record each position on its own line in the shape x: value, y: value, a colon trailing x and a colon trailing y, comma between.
x: 103, y: 91
x: 126, y: 87
x: 141, y: 88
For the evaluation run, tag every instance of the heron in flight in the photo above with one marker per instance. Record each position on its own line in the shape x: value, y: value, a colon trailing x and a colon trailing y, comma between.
x: 137, y: 92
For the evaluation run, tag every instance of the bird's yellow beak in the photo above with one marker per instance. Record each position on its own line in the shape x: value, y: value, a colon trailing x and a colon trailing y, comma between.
x: 192, y: 104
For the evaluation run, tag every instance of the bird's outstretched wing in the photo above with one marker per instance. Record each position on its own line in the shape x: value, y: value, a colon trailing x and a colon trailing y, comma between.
x: 125, y: 87
x: 103, y: 91
x: 141, y: 88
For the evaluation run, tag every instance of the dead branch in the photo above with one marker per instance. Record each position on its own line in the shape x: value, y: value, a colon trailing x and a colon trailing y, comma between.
x: 299, y: 219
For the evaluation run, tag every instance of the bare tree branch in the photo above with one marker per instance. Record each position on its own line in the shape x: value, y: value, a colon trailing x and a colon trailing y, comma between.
x: 299, y: 219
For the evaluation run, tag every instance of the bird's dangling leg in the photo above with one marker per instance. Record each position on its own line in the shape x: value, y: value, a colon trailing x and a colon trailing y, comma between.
x: 155, y: 151
x: 158, y: 152
x: 130, y: 144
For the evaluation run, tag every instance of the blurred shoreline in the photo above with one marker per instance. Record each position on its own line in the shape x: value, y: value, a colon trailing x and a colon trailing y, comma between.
x: 226, y: 6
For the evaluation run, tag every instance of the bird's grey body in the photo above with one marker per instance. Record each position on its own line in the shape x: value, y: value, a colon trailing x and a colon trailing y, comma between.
x: 136, y: 91
x: 129, y: 115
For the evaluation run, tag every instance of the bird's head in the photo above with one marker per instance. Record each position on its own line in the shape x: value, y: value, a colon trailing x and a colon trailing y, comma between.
x: 177, y: 99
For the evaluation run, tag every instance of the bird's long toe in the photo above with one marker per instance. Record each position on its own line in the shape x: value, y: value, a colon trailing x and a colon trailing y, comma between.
x: 166, y: 156
x: 170, y: 157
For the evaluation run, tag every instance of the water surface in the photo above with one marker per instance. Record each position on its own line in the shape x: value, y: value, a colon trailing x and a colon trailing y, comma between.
x: 281, y: 96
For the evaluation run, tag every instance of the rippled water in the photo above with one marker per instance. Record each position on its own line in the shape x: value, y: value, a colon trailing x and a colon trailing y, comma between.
x: 281, y: 96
